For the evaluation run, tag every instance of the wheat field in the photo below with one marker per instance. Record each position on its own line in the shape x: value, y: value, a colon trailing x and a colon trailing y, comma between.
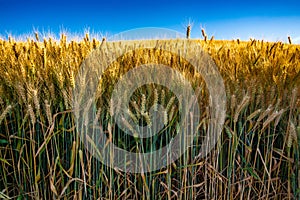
x: 42, y: 157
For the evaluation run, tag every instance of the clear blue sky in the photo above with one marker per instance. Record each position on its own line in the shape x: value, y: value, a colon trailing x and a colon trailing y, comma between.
x: 270, y: 20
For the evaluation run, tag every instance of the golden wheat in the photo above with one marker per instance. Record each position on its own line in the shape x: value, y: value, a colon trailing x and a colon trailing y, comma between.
x: 37, y: 78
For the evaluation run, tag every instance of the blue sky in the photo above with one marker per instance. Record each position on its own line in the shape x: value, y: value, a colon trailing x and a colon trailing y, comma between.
x: 269, y: 20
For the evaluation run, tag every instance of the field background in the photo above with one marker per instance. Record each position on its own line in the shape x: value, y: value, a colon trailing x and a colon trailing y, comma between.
x: 41, y: 156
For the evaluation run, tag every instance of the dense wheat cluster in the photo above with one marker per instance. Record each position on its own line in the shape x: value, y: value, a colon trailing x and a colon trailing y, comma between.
x: 42, y: 157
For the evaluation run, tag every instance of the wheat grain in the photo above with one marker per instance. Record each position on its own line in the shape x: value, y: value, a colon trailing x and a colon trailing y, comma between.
x: 233, y: 102
x: 48, y: 112
x: 7, y: 110
x: 240, y: 107
x: 170, y: 103
x: 66, y: 98
x: 188, y: 31
x: 97, y: 118
x: 172, y: 112
x: 132, y: 116
x: 203, y: 33
x: 293, y: 132
x: 254, y: 114
x: 162, y: 97
x: 155, y: 99
x: 21, y: 93
x: 165, y: 118
x: 272, y: 117
x: 136, y: 108
x: 37, y: 36
x: 72, y: 79
x: 147, y: 119
x: 129, y: 127
x: 31, y: 114
x: 143, y: 104
x: 265, y: 113
x: 36, y: 101
x: 289, y: 140
x: 290, y: 40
